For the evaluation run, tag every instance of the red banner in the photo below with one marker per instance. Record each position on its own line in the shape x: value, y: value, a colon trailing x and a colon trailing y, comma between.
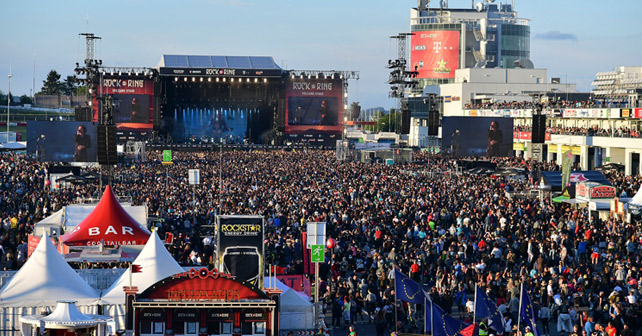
x: 33, y: 242
x: 637, y: 113
x: 528, y: 136
x: 297, y: 282
x: 435, y: 54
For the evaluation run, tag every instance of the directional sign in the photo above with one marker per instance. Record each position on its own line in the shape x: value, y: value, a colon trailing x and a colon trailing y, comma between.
x: 167, y: 155
x: 318, y: 253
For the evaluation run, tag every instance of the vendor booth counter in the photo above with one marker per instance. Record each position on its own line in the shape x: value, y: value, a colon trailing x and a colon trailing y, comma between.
x: 203, y: 302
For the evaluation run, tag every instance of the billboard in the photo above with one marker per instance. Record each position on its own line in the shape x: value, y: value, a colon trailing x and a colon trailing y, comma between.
x: 313, y: 104
x: 240, y: 247
x: 62, y: 141
x: 477, y: 136
x: 133, y: 102
x: 435, y: 53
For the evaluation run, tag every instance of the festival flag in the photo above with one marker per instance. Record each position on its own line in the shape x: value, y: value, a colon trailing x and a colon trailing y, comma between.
x: 486, y: 308
x: 527, y: 313
x: 408, y: 290
x: 443, y: 324
x: 137, y: 268
x: 471, y: 330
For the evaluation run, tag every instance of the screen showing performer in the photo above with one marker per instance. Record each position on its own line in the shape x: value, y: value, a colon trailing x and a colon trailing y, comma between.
x: 477, y: 136
x: 82, y: 144
x: 313, y: 111
x: 62, y: 141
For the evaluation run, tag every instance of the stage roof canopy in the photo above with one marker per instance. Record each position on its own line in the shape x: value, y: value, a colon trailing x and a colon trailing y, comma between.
x: 218, y: 62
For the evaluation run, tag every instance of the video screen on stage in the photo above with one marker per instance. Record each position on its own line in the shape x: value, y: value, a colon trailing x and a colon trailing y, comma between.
x: 133, y: 108
x: 205, y: 124
x: 435, y: 53
x: 61, y: 141
x: 312, y: 111
x: 313, y: 104
x: 477, y: 136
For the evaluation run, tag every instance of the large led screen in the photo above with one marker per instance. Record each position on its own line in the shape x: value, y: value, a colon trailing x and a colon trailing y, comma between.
x: 61, y: 141
x: 435, y: 53
x: 313, y: 105
x: 133, y: 107
x: 477, y: 136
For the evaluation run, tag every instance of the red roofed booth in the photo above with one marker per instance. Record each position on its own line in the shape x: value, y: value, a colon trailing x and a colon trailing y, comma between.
x: 109, y: 223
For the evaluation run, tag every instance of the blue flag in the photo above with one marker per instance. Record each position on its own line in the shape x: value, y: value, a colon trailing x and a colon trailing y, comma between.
x: 527, y: 313
x: 444, y: 325
x: 486, y: 308
x: 408, y: 290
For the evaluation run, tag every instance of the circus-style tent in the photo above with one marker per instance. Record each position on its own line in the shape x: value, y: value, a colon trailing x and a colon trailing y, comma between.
x: 108, y: 223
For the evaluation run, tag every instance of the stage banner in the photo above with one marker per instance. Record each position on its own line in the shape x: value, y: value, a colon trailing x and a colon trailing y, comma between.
x: 240, y: 247
x: 435, y: 53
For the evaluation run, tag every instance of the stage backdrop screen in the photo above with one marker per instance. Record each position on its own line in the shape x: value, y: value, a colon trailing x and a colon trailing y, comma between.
x: 435, y: 53
x: 477, y: 136
x: 133, y: 102
x: 313, y: 105
x: 240, y: 247
x: 61, y: 141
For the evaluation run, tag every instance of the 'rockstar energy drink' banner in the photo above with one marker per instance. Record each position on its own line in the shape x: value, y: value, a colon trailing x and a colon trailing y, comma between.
x: 240, y: 247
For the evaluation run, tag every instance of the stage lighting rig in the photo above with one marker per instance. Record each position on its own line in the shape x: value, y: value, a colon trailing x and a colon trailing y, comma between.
x: 400, y: 78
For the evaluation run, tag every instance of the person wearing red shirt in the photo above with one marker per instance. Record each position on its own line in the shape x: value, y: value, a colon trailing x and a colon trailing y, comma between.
x: 414, y: 271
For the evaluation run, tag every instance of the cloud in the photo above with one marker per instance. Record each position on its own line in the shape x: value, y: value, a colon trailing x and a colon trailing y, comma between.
x: 556, y: 35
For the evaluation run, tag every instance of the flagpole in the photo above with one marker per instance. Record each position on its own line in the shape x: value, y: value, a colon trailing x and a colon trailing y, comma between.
x: 475, y: 305
x: 130, y: 275
x: 432, y: 319
x: 425, y: 320
x: 394, y: 306
x: 519, y: 312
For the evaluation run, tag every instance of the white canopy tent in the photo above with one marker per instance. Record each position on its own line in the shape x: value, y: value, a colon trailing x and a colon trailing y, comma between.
x: 157, y: 264
x: 43, y: 280
x: 637, y: 199
x: 297, y: 312
x: 67, y: 316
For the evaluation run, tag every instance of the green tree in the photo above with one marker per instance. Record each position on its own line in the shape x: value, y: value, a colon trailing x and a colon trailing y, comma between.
x: 386, y: 122
x: 24, y: 99
x: 69, y: 85
x: 52, y: 85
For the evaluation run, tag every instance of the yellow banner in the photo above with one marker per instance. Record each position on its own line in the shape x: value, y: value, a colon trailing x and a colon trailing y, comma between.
x: 575, y: 150
x: 519, y: 146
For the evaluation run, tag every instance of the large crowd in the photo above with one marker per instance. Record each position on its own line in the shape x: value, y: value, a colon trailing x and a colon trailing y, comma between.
x: 619, y: 132
x: 553, y: 104
x: 450, y: 232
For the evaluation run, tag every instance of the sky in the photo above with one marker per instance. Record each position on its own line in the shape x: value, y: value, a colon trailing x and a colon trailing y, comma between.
x: 572, y: 39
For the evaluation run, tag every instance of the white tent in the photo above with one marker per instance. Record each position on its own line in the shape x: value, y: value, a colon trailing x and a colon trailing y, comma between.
x: 67, y: 316
x: 297, y: 312
x: 637, y: 199
x: 45, y: 279
x: 42, y: 281
x: 157, y: 264
x: 50, y: 225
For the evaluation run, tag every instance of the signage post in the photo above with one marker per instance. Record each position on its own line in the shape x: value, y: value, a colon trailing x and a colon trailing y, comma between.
x: 316, y: 243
